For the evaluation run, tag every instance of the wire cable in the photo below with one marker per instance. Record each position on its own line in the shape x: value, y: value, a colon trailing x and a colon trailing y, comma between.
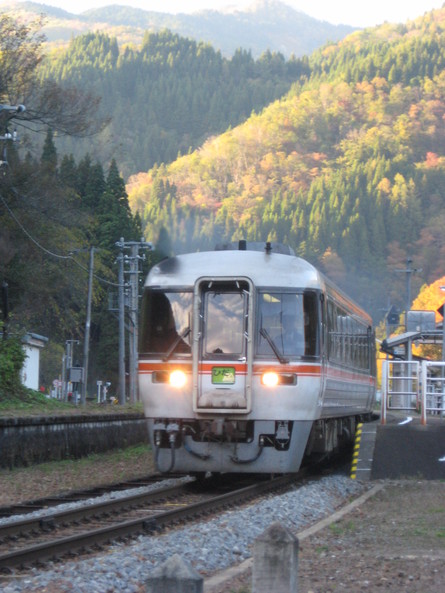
x: 30, y: 237
x: 69, y: 256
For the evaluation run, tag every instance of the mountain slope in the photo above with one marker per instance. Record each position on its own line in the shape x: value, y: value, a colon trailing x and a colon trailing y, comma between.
x: 166, y: 97
x: 349, y: 168
x: 267, y: 24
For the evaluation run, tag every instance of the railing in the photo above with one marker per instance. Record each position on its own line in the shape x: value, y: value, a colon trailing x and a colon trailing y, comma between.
x: 409, y: 385
x: 400, y: 386
x: 433, y: 386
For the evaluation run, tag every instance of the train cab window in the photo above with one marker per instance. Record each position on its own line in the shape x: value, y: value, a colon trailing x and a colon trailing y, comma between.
x: 166, y: 323
x: 288, y: 324
x: 224, y: 322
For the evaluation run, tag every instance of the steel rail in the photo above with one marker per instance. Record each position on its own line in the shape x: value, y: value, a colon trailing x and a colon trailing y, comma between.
x: 78, y: 495
x: 50, y: 521
x: 55, y: 549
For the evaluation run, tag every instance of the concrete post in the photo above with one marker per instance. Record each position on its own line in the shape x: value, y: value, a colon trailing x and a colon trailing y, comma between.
x: 275, y: 561
x: 174, y: 576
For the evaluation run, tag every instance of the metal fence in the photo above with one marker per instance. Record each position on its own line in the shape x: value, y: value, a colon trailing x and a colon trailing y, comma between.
x: 415, y: 386
x: 433, y: 387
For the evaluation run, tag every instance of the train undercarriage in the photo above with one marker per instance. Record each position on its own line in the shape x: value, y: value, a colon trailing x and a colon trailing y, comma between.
x: 226, y: 445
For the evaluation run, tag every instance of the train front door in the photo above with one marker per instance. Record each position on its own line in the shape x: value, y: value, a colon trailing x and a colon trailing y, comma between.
x: 223, y: 346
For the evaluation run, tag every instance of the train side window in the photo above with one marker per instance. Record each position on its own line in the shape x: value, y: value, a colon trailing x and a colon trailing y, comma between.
x: 331, y: 330
x: 310, y: 307
x: 347, y: 338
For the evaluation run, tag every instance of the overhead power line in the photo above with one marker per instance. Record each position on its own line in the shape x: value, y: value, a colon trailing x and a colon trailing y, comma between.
x: 68, y: 256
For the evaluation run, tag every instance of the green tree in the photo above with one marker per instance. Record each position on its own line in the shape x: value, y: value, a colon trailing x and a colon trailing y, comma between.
x: 12, y: 357
x: 49, y: 154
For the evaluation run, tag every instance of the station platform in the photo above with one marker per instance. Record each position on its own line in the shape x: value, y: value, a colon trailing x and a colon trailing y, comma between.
x: 402, y: 448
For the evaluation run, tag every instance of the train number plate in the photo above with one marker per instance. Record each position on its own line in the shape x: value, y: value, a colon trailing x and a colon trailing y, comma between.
x: 223, y: 375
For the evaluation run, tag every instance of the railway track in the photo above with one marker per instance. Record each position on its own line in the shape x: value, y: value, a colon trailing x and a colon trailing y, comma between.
x: 59, y: 534
x: 78, y: 495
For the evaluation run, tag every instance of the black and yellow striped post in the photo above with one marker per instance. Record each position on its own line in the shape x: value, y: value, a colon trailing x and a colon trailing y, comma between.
x: 358, y: 438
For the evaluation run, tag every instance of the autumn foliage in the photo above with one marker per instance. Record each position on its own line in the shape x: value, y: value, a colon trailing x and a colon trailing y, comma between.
x: 348, y: 168
x: 430, y: 298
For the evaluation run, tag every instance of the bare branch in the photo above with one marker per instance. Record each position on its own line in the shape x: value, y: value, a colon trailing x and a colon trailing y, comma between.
x: 68, y: 111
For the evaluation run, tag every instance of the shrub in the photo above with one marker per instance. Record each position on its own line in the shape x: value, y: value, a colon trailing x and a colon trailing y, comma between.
x: 12, y: 357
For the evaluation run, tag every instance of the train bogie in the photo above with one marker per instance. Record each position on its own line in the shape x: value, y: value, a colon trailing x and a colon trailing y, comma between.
x: 249, y: 358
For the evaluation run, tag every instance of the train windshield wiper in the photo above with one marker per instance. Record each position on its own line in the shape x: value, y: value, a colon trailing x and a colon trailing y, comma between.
x: 272, y: 344
x: 178, y: 339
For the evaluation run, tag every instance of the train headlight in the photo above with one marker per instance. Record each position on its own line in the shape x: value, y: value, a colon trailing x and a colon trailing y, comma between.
x: 177, y: 378
x: 270, y: 379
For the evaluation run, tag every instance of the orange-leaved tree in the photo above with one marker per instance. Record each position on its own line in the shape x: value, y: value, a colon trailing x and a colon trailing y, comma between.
x: 430, y: 298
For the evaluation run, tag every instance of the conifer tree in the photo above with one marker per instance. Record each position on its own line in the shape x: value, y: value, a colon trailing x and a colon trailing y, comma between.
x: 67, y: 171
x: 49, y: 154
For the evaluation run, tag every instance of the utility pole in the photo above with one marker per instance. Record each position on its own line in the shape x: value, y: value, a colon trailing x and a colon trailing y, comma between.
x: 133, y: 314
x: 86, y: 340
x: 133, y: 304
x: 409, y: 271
x: 8, y: 112
x: 67, y: 363
x: 121, y: 295
x: 5, y: 307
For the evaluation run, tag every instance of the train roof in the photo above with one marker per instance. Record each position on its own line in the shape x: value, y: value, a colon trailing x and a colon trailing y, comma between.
x: 266, y: 265
x: 262, y: 268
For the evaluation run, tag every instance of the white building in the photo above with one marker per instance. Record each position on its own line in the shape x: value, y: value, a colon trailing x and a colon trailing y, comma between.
x: 32, y: 344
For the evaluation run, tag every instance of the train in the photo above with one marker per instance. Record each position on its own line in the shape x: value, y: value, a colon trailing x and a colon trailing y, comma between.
x: 250, y: 361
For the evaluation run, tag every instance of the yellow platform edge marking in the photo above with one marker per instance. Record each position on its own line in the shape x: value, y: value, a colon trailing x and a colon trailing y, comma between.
x: 358, y: 436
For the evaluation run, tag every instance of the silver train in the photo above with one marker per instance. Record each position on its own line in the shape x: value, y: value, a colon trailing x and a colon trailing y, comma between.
x: 250, y: 359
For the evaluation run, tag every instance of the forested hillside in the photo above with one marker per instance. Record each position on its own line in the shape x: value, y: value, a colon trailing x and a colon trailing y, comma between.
x: 167, y: 97
x: 264, y: 25
x: 348, y: 168
x: 52, y: 211
x: 341, y: 155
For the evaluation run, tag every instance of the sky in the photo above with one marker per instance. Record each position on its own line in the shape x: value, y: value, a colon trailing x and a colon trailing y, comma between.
x: 347, y: 12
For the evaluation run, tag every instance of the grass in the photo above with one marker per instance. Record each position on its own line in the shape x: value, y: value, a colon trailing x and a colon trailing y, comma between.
x: 342, y: 528
x: 27, y: 401
x: 33, y: 403
x: 69, y: 474
x: 60, y: 476
x: 437, y: 511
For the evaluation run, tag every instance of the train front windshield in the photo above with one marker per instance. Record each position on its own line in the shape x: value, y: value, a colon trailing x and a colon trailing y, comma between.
x: 225, y: 323
x: 166, y: 323
x: 288, y: 323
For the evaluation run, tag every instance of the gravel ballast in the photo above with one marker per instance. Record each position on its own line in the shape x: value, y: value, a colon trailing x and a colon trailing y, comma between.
x: 209, y: 546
